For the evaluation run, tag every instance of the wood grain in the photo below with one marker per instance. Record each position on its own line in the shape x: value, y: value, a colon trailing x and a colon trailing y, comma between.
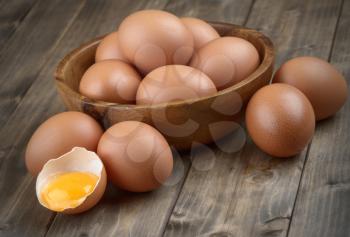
x: 249, y: 193
x: 40, y: 102
x: 20, y: 213
x: 227, y: 193
x: 29, y: 48
x: 11, y: 15
x: 323, y: 204
x: 230, y: 11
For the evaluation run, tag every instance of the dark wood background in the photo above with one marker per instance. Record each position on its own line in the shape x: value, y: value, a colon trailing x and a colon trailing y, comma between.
x: 245, y: 193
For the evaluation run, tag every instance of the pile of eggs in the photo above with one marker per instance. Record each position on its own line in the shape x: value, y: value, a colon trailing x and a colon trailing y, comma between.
x: 156, y: 57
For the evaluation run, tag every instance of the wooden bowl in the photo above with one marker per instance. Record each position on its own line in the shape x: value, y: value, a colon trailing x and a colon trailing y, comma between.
x: 183, y: 123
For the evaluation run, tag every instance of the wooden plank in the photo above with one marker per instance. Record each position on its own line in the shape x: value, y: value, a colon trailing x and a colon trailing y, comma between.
x: 249, y: 193
x: 19, y: 213
x: 29, y: 48
x: 323, y: 203
x: 124, y: 213
x: 143, y: 219
x: 40, y: 102
x: 233, y: 11
x: 11, y: 15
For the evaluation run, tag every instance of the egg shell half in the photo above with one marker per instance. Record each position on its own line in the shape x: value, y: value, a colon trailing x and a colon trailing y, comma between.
x: 78, y: 159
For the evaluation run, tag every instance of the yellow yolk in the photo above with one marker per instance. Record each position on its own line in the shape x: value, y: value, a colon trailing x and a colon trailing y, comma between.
x: 67, y: 190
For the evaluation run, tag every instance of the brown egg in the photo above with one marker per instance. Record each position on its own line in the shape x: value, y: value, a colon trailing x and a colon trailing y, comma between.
x: 226, y: 60
x: 202, y: 32
x: 172, y: 83
x: 153, y: 38
x: 280, y: 120
x: 109, y: 48
x: 58, y: 135
x: 137, y: 157
x: 111, y: 81
x: 322, y: 84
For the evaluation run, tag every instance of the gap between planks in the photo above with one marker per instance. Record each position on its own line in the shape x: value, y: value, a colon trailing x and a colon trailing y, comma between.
x: 190, y: 166
x: 309, y: 145
x: 322, y: 208
x: 292, y: 13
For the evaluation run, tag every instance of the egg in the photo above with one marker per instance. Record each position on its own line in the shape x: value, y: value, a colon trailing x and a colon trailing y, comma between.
x: 109, y: 48
x: 322, y: 84
x: 72, y: 183
x: 226, y: 60
x: 137, y: 156
x: 201, y: 31
x: 280, y: 120
x: 172, y: 83
x: 154, y: 38
x: 110, y: 81
x: 58, y: 135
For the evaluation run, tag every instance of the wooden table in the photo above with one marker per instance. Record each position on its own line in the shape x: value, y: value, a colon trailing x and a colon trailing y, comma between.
x: 215, y: 192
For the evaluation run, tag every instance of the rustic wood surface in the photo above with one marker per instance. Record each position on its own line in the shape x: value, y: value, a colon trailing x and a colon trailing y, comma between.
x: 226, y: 189
x: 12, y: 14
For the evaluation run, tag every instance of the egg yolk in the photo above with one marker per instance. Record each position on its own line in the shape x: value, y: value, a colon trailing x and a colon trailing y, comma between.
x: 68, y: 189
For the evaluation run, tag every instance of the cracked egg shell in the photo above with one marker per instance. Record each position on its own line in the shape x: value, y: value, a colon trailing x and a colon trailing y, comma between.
x: 77, y: 160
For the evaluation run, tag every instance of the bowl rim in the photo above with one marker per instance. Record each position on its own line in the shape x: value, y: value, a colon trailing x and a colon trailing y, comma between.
x: 264, y: 65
